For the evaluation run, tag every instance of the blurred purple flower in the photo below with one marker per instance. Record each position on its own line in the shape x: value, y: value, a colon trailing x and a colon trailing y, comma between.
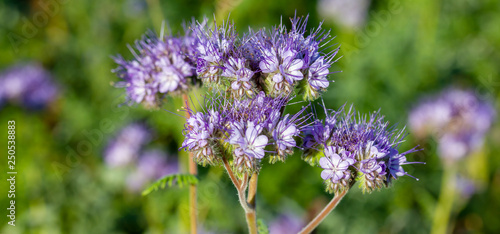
x: 286, y: 223
x: 28, y: 84
x: 348, y: 13
x: 466, y: 187
x: 457, y: 118
x: 125, y: 147
x: 152, y: 165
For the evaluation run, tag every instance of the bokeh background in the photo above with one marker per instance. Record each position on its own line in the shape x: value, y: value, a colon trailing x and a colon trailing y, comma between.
x: 394, y: 53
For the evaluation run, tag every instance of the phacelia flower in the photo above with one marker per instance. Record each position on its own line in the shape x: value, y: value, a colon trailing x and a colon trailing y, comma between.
x: 28, y: 85
x: 290, y: 58
x: 161, y: 65
x: 247, y: 129
x: 202, y: 133
x: 214, y: 48
x: 240, y: 75
x: 457, y: 118
x: 353, y: 150
x: 249, y: 143
x: 280, y: 62
x: 335, y: 166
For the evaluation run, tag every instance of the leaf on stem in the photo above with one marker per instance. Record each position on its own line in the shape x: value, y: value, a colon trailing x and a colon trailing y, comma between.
x: 171, y: 180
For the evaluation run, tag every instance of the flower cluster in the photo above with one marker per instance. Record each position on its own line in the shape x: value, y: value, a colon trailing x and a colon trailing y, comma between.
x: 246, y: 129
x: 350, y: 149
x: 276, y: 61
x: 457, y: 118
x: 29, y: 85
x: 162, y: 65
x: 290, y: 57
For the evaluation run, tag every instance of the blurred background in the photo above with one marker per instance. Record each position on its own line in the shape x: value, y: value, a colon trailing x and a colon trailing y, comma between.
x: 83, y: 158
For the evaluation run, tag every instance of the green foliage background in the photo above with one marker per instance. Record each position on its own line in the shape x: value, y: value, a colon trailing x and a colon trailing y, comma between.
x: 407, y: 49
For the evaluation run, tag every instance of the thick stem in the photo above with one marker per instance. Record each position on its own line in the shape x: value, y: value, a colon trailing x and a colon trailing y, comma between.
x: 251, y: 222
x: 322, y: 215
x: 193, y: 170
x: 445, y: 203
x: 251, y: 215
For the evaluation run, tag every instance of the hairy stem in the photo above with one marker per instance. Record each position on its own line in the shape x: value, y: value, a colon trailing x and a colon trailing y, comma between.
x: 241, y: 191
x: 193, y: 170
x: 322, y: 215
x: 251, y: 214
x: 445, y: 203
x: 231, y: 174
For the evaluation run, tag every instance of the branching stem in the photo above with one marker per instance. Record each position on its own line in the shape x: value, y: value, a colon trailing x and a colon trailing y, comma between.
x: 322, y: 215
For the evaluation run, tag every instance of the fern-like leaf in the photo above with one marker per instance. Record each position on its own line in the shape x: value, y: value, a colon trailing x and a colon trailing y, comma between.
x: 261, y: 227
x: 171, y: 180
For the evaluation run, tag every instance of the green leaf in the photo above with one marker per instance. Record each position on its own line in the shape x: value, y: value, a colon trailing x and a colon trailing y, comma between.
x: 261, y: 227
x: 171, y: 180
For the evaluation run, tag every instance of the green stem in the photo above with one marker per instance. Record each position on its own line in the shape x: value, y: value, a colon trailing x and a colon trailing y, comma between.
x: 445, y: 203
x: 322, y: 215
x: 193, y: 170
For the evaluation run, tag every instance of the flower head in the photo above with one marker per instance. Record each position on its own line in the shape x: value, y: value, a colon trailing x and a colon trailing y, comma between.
x: 279, y: 62
x: 290, y: 56
x: 247, y: 129
x: 353, y: 149
x: 161, y: 65
x: 336, y: 164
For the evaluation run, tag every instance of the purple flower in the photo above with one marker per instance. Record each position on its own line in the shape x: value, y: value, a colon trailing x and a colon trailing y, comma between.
x: 457, y: 118
x: 250, y: 144
x: 363, y: 148
x: 151, y: 165
x: 335, y: 164
x: 291, y: 56
x: 284, y: 134
x: 318, y: 72
x: 348, y: 13
x: 286, y: 223
x: 240, y: 75
x: 161, y: 65
x: 466, y: 187
x: 243, y: 127
x: 214, y: 48
x: 125, y: 147
x: 201, y: 136
x: 29, y: 85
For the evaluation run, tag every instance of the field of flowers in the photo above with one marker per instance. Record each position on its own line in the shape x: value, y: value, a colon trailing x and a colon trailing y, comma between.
x: 149, y: 116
